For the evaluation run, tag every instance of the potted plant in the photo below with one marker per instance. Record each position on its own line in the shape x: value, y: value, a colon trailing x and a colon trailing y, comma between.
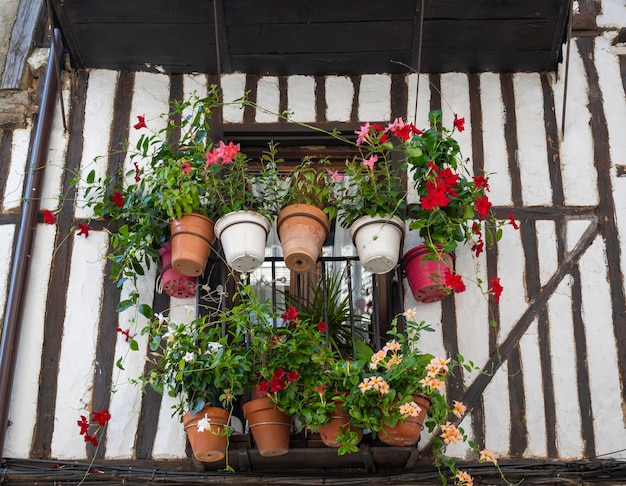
x: 371, y: 197
x: 305, y: 212
x: 245, y: 209
x: 288, y: 360
x: 453, y: 209
x: 399, y: 385
x: 206, y: 365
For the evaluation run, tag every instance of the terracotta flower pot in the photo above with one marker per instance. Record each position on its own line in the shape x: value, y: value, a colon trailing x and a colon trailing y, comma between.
x: 407, y: 433
x: 173, y: 283
x: 378, y: 242
x: 192, y: 237
x: 243, y: 235
x: 209, y: 445
x: 426, y: 277
x: 270, y: 427
x: 302, y: 230
x: 338, y: 421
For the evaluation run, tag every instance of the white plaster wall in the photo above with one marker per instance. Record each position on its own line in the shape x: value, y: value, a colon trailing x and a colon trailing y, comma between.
x: 98, y: 116
x: 15, y: 181
x: 23, y: 406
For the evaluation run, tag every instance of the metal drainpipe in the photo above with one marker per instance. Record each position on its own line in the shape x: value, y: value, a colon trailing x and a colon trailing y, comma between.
x: 30, y: 207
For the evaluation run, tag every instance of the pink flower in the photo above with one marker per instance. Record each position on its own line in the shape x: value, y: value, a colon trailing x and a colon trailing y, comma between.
x: 211, y: 158
x: 336, y: 176
x: 186, y: 167
x: 362, y: 134
x: 371, y: 161
x: 228, y: 152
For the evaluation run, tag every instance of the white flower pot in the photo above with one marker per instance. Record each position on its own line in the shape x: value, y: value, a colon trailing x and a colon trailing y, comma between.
x: 378, y: 240
x: 243, y: 235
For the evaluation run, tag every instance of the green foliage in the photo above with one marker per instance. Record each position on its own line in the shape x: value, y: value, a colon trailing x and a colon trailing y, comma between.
x: 461, y: 209
x: 204, y: 361
x: 376, y: 190
x: 307, y: 183
x: 326, y: 303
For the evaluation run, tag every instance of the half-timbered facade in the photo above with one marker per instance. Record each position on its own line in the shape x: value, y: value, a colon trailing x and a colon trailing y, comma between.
x: 550, y: 401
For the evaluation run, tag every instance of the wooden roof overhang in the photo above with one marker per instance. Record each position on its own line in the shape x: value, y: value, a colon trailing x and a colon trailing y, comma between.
x: 283, y: 37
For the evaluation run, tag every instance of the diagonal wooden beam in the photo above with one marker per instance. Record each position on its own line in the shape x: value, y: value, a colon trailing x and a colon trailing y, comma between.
x: 476, y: 389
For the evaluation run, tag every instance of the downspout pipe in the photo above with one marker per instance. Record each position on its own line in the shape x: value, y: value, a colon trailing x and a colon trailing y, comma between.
x: 30, y: 208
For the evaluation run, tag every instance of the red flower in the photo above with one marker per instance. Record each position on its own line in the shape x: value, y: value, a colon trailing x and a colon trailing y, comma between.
x: 101, y: 416
x: 481, y: 182
x: 83, y: 424
x: 292, y: 376
x: 141, y: 123
x: 459, y: 123
x: 92, y: 439
x: 496, y: 288
x: 320, y: 389
x: 479, y: 245
x: 48, y: 216
x: 124, y: 332
x: 137, y: 172
x: 118, y: 199
x: 322, y: 327
x: 290, y: 314
x: 483, y: 206
x: 264, y: 387
x: 512, y: 221
x: 83, y: 229
x: 454, y: 281
x: 436, y: 197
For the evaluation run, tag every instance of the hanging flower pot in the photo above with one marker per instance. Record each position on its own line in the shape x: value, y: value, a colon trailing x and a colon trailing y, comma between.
x: 243, y: 235
x: 270, y: 427
x: 192, y: 237
x: 173, y: 283
x: 338, y: 421
x: 426, y: 275
x: 302, y: 230
x: 407, y: 433
x: 207, y: 442
x: 378, y: 240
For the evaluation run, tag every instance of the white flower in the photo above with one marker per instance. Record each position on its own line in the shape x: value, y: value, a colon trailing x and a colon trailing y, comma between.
x: 203, y: 423
x: 161, y: 318
x: 214, y: 347
x: 189, y: 357
x: 410, y: 314
x: 169, y: 335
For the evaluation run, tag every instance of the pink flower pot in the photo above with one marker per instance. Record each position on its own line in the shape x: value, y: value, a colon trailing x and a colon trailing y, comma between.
x: 426, y: 276
x: 174, y: 284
